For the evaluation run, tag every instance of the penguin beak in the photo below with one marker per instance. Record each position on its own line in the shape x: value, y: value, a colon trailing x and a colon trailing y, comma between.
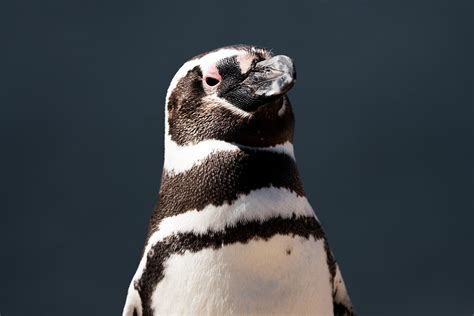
x: 272, y: 77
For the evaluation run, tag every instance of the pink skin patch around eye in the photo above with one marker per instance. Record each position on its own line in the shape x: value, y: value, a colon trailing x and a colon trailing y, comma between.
x: 212, y: 72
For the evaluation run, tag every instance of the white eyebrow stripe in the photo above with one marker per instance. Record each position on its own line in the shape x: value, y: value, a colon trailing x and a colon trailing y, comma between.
x: 245, y: 61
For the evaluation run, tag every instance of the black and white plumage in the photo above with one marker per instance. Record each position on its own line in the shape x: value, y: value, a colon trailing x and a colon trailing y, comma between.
x: 233, y: 232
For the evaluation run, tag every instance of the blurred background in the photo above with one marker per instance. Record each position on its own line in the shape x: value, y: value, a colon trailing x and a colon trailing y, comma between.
x: 384, y: 141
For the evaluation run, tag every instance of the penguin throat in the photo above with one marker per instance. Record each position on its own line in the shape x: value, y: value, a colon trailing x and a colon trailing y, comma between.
x: 223, y: 177
x: 179, y: 158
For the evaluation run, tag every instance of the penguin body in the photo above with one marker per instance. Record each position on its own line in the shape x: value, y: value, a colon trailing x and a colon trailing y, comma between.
x: 233, y: 232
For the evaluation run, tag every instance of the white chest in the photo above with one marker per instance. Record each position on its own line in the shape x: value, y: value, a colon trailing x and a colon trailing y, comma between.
x: 282, y: 275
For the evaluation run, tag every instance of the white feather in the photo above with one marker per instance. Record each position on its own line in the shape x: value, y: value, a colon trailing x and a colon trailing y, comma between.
x: 258, y: 205
x: 182, y: 158
x: 255, y: 278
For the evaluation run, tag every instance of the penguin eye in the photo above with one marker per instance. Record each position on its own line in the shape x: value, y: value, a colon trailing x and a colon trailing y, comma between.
x: 210, y: 81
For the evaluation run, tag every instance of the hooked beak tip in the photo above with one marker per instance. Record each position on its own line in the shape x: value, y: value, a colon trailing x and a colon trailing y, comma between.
x: 274, y: 76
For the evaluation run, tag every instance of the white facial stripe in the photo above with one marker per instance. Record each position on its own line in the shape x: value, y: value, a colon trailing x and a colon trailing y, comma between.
x: 174, y: 82
x: 185, y: 68
x: 214, y: 100
x: 258, y: 205
x: 212, y: 58
x: 182, y: 158
x: 245, y: 61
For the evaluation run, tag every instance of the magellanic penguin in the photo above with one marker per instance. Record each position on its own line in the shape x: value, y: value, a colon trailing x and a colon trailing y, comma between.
x: 232, y: 232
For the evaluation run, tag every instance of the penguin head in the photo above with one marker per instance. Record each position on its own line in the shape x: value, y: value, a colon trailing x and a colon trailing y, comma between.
x: 236, y: 94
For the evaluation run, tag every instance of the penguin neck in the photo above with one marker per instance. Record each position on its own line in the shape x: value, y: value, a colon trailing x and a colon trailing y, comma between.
x: 181, y: 158
x: 215, y: 173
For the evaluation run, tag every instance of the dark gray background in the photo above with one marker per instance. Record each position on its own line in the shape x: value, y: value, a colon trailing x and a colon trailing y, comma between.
x: 384, y: 141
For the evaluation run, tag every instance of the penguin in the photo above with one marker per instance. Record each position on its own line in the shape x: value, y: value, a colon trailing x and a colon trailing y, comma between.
x: 232, y: 232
